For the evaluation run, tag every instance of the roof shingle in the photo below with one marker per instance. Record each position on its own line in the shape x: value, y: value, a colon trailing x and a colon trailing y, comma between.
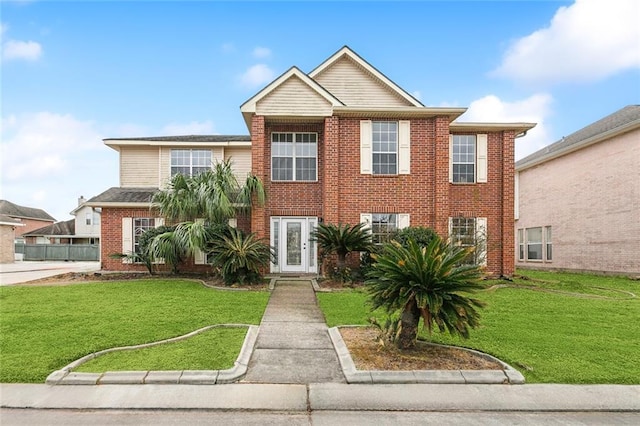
x: 124, y: 195
x: 8, y: 208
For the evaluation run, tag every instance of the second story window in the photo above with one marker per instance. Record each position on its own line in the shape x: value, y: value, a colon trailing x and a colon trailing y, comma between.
x: 464, y: 158
x: 385, y: 147
x: 294, y: 156
x: 190, y: 162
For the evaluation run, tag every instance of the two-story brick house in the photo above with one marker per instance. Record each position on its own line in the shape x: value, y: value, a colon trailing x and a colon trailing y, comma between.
x: 341, y: 144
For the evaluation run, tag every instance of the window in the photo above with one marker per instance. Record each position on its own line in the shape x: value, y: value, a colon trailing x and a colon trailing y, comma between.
x: 470, y: 232
x: 548, y: 243
x: 464, y: 158
x: 534, y: 244
x: 382, y: 227
x: 385, y: 147
x: 294, y: 156
x: 140, y: 225
x: 190, y: 162
x: 520, y: 244
x: 87, y: 218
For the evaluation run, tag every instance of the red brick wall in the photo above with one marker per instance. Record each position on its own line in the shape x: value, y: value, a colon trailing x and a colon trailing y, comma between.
x: 341, y: 193
x: 30, y: 225
x: 111, y: 242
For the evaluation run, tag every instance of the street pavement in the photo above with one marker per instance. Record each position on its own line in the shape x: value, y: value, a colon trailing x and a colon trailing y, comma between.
x: 21, y: 272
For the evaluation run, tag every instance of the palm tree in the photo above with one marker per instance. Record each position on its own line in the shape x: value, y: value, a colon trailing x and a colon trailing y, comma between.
x: 342, y: 240
x: 240, y: 257
x: 198, y: 203
x: 427, y: 282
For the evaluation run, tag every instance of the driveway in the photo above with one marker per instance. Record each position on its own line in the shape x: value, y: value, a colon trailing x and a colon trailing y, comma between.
x: 20, y: 272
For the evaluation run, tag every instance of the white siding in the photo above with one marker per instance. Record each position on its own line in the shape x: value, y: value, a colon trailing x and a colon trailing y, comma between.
x: 294, y: 97
x: 354, y: 86
x: 138, y: 166
x: 84, y: 230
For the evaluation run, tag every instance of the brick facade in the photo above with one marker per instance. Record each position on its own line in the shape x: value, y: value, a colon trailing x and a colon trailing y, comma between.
x: 342, y: 193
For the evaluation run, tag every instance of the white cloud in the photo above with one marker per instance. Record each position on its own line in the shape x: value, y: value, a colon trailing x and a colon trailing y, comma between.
x: 17, y: 49
x: 587, y: 41
x: 257, y: 75
x: 192, y: 128
x: 261, y: 52
x: 534, y: 109
x: 48, y: 160
x: 40, y: 144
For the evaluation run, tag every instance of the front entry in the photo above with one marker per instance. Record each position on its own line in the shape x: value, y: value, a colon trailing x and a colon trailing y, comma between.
x: 290, y: 236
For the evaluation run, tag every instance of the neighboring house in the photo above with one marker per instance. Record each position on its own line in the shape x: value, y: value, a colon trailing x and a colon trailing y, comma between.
x: 30, y: 217
x: 83, y: 229
x: 341, y: 144
x: 579, y: 199
x: 8, y: 227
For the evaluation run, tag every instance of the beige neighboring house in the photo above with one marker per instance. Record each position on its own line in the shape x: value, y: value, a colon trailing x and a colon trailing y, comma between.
x: 578, y: 200
x: 84, y: 229
x: 7, y: 237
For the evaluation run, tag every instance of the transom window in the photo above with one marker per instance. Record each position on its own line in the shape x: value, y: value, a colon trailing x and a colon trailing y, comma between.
x: 464, y: 158
x: 190, y: 162
x: 294, y: 156
x: 383, y: 226
x: 140, y: 226
x: 385, y: 147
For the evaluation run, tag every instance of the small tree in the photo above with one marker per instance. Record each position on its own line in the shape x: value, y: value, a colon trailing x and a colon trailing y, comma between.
x: 342, y: 240
x: 425, y: 282
x: 240, y: 257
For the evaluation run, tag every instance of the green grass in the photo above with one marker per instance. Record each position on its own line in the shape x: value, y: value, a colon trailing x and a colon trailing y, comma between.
x: 214, y: 349
x: 551, y: 337
x: 42, y: 329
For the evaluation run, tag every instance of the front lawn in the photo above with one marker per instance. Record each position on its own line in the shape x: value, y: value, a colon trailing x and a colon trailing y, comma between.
x: 553, y: 327
x: 43, y: 329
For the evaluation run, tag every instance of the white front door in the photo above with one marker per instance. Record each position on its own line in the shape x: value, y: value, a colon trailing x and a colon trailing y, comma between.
x: 295, y: 252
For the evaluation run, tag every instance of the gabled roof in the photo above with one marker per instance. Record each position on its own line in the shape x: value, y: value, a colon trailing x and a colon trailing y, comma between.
x: 123, y: 197
x: 8, y: 208
x: 58, y: 229
x: 621, y: 121
x: 249, y: 107
x: 346, y: 51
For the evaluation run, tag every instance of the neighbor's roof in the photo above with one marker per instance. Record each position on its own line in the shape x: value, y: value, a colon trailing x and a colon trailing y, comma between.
x: 123, y: 197
x: 621, y: 121
x: 8, y: 208
x: 59, y: 229
x: 6, y: 220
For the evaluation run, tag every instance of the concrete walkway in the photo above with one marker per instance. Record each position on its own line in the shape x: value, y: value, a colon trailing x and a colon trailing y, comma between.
x: 293, y: 344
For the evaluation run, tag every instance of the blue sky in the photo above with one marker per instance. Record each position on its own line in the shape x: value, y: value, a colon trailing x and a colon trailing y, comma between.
x: 74, y: 73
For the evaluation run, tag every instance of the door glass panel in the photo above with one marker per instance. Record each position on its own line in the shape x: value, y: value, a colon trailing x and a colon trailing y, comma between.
x: 294, y: 243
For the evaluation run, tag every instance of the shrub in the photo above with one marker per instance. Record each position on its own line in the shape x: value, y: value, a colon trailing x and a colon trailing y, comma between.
x: 240, y: 257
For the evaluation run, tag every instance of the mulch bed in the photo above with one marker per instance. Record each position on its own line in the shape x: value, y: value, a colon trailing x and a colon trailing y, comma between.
x: 369, y: 354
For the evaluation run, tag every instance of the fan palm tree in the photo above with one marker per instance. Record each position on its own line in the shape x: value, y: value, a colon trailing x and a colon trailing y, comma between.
x: 428, y: 282
x: 342, y: 240
x: 200, y: 204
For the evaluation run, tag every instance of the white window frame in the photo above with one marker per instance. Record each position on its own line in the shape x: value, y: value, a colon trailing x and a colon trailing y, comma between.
x: 403, y: 220
x: 521, y: 245
x: 402, y: 147
x: 194, y: 169
x: 88, y: 218
x: 531, y: 243
x: 480, y: 162
x: 295, y: 155
x: 479, y: 232
x: 548, y: 244
x: 129, y: 237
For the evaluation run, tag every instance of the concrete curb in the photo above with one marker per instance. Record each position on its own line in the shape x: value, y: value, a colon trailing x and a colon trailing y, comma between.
x: 314, y: 282
x: 65, y: 376
x: 508, y: 375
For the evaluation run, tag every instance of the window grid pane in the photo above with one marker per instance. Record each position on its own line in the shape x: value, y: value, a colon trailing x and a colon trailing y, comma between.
x: 383, y: 226
x: 294, y: 151
x: 385, y: 147
x: 140, y: 225
x: 534, y: 244
x: 464, y: 158
x: 190, y: 162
